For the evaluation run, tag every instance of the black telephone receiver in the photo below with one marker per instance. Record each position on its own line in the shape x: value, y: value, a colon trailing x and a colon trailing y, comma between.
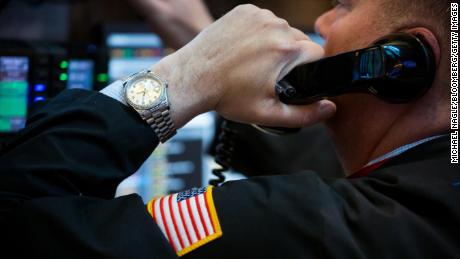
x: 397, y: 68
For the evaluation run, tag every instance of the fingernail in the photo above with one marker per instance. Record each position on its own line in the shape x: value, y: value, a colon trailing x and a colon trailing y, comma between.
x: 326, y: 107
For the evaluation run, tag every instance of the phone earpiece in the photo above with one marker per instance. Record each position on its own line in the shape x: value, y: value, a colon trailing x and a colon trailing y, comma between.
x: 397, y: 68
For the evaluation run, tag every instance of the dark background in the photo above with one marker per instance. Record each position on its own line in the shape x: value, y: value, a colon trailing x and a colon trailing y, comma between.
x: 77, y: 21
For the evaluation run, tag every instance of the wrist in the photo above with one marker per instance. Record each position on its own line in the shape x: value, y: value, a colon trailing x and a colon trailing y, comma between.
x: 184, y: 102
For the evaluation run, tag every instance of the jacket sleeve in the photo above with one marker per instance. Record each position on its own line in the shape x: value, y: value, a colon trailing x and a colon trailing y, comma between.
x: 303, y: 216
x: 59, y: 176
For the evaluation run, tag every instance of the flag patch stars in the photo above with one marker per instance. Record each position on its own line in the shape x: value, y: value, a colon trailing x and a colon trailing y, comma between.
x: 187, y: 219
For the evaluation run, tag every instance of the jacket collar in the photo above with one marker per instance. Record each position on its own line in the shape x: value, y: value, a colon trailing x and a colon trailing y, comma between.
x: 382, y: 160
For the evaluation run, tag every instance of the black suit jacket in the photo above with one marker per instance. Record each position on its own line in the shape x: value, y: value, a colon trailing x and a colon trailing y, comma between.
x: 58, y: 178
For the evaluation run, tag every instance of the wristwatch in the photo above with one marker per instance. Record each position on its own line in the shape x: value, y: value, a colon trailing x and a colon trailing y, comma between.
x: 147, y: 94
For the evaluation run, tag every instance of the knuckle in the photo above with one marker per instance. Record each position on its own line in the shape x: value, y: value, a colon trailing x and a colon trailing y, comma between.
x: 281, y: 23
x: 266, y: 16
x: 267, y: 13
x: 307, y: 118
x: 284, y: 46
x: 246, y: 8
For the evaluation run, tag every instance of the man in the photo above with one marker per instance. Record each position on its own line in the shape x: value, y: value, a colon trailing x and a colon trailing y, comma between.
x: 59, y: 176
x: 358, y: 141
x: 407, y: 207
x: 178, y: 22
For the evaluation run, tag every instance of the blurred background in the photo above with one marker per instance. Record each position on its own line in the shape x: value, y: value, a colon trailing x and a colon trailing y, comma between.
x: 49, y: 46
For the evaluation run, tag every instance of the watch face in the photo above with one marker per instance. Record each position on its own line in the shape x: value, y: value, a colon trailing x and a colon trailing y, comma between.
x: 144, y: 92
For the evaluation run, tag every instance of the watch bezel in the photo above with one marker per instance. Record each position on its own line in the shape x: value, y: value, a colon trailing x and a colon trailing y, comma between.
x: 139, y: 76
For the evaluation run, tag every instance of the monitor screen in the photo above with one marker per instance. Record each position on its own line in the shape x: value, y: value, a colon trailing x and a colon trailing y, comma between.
x: 131, y: 52
x: 80, y: 74
x: 13, y: 92
x: 179, y: 164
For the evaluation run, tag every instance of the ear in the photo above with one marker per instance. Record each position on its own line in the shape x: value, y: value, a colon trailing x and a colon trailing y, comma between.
x: 429, y: 38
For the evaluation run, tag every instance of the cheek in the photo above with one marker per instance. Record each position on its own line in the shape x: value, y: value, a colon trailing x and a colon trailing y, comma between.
x: 337, y: 40
x: 344, y: 35
x: 355, y: 31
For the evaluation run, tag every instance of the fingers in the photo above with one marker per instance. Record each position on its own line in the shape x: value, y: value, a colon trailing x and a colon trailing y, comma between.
x: 297, y: 116
x: 293, y: 116
x: 306, y: 52
x: 309, y: 51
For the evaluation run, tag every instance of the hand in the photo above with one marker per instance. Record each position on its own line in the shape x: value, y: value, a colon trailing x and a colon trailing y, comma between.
x: 176, y: 21
x: 232, y: 67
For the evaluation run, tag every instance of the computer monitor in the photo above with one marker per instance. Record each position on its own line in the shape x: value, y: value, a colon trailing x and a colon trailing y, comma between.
x: 80, y: 74
x: 32, y: 72
x: 14, y: 72
x: 131, y: 52
x: 179, y: 164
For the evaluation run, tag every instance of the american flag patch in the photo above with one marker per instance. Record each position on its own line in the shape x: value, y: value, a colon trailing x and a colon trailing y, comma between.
x: 187, y: 219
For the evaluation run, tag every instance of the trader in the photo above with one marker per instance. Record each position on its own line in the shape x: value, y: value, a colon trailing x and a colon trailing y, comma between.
x: 400, y: 203
x: 177, y: 22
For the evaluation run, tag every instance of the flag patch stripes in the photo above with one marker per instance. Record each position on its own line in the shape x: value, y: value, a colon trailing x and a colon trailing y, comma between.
x: 187, y: 219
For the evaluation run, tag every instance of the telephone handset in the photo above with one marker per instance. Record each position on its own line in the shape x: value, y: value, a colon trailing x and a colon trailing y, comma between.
x: 397, y: 68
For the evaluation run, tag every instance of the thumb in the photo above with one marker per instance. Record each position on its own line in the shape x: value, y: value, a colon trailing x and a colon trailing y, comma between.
x: 294, y: 116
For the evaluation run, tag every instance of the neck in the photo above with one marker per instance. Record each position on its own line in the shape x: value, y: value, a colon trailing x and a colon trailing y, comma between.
x: 381, y: 127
